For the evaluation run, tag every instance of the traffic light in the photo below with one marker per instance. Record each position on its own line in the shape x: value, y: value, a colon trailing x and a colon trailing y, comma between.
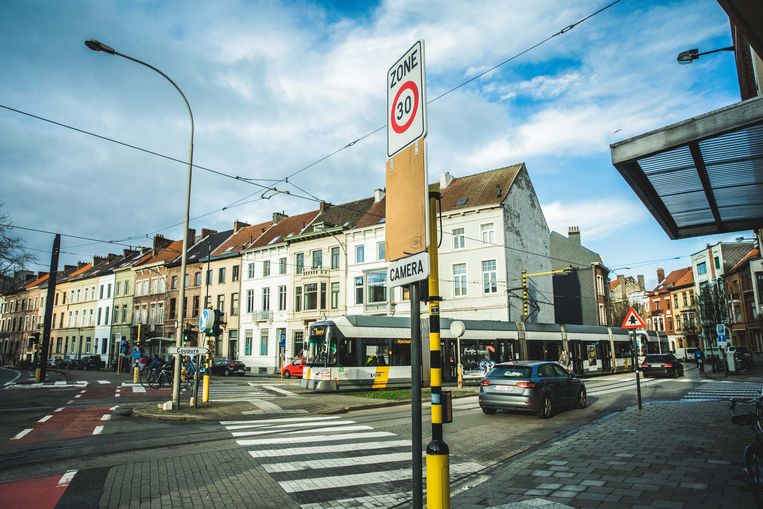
x: 217, y: 327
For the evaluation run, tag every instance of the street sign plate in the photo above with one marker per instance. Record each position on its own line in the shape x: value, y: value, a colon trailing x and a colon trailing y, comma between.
x: 720, y: 329
x: 206, y: 320
x: 408, y: 270
x: 187, y: 350
x: 633, y: 320
x: 406, y: 100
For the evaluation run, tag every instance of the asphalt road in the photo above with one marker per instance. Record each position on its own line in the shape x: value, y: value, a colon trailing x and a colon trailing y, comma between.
x: 71, y: 427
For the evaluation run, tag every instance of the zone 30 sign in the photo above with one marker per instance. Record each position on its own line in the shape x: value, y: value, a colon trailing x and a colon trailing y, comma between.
x: 406, y: 100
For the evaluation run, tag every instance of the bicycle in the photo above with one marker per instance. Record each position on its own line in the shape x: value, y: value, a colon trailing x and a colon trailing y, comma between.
x: 752, y: 455
x: 159, y: 377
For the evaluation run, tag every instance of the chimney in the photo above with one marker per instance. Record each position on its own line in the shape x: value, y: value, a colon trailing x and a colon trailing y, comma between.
x: 40, y: 274
x: 324, y: 206
x: 445, y: 180
x: 573, y: 233
x: 641, y: 283
x: 237, y: 225
x: 111, y: 257
x: 29, y: 277
x: 128, y: 252
x: 191, y: 237
x: 278, y: 217
x: 378, y: 195
x: 68, y: 269
x: 98, y: 260
x: 160, y: 243
x: 80, y: 265
x: 660, y: 275
x: 206, y: 232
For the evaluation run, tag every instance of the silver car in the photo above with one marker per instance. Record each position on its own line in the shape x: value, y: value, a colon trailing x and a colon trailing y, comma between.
x: 537, y: 386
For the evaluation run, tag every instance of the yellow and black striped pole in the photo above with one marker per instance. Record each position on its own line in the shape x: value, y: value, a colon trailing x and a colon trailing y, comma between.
x: 136, y: 368
x: 438, y: 470
x: 525, y: 307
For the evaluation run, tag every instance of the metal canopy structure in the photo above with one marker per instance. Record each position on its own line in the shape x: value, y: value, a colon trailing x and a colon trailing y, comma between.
x: 700, y: 176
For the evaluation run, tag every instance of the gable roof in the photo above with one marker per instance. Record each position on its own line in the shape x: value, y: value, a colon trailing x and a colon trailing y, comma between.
x: 676, y: 279
x: 169, y: 253
x: 36, y: 282
x: 284, y: 229
x: 753, y: 253
x: 486, y: 188
x: 238, y: 241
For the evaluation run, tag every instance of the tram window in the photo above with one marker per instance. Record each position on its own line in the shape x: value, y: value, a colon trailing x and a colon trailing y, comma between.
x: 400, y: 352
x: 375, y: 352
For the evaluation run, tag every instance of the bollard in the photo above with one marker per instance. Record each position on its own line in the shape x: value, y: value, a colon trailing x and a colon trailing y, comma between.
x: 135, y: 374
x: 205, y: 390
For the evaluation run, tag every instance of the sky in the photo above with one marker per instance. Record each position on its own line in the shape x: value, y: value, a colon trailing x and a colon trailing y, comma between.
x: 276, y: 87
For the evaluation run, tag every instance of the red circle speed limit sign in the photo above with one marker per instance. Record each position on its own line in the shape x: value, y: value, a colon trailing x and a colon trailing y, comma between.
x: 406, y: 100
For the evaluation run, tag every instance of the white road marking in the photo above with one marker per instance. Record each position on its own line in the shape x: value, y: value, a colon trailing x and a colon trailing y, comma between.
x: 338, y: 462
x: 11, y: 382
x: 103, y: 382
x: 114, y: 408
x: 78, y: 396
x: 139, y: 389
x: 340, y: 481
x: 70, y: 402
x: 45, y: 419
x: 265, y: 422
x: 83, y: 392
x: 117, y: 395
x: 60, y: 383
x: 22, y: 434
x: 324, y: 438
x: 263, y: 405
x: 106, y: 417
x: 279, y: 390
x: 97, y: 430
x: 297, y: 432
x: 58, y: 409
x: 67, y: 478
x: 321, y: 449
x: 306, y: 424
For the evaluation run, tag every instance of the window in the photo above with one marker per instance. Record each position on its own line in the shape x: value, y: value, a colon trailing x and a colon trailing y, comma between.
x: 221, y: 303
x: 281, y: 298
x: 108, y: 291
x: 249, y: 301
x: 489, y: 277
x: 160, y: 313
x: 100, y: 292
x: 380, y: 251
x: 136, y: 315
x: 144, y: 287
x: 266, y: 299
x: 221, y: 275
x: 311, y: 296
x: 106, y: 316
x: 154, y: 285
x: 717, y: 262
x: 234, y: 304
x: 701, y: 268
x: 377, y: 287
x: 98, y: 318
x: 209, y: 277
x: 298, y: 298
x: 282, y: 266
x: 300, y: 262
x: 360, y: 253
x: 686, y: 300
x: 87, y: 344
x: 334, y: 295
x: 334, y: 257
x: 358, y: 290
x: 248, y: 342
x: 152, y: 314
x: 116, y: 292
x: 263, y: 342
x: 195, y: 306
x: 323, y: 301
x: 234, y: 273
x: 163, y: 283
x: 459, y: 279
x: 196, y: 278
x: 266, y: 268
x: 488, y: 233
x: 126, y: 288
x: 317, y: 259
x: 675, y: 300
x: 458, y: 238
x: 250, y: 271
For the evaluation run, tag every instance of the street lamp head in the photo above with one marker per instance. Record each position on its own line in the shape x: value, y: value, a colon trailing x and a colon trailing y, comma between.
x: 99, y: 46
x: 688, y: 56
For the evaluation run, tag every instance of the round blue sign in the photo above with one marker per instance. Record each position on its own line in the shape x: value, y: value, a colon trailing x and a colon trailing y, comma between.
x: 206, y: 319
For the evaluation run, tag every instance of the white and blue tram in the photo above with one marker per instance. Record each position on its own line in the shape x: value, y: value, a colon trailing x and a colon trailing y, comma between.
x: 374, y: 352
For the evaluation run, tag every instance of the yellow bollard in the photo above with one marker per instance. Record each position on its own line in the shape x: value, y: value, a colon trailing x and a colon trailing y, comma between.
x: 135, y: 374
x: 38, y: 375
x: 205, y: 390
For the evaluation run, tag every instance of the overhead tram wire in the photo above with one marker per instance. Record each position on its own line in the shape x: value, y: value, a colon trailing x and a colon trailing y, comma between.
x: 80, y: 237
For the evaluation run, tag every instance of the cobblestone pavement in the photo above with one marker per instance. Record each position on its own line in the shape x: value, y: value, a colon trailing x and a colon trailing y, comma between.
x: 670, y: 455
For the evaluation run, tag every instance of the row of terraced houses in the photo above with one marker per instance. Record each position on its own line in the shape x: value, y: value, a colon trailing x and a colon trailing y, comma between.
x: 273, y: 279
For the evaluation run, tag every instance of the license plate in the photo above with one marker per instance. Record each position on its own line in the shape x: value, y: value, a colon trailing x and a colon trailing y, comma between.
x: 504, y: 388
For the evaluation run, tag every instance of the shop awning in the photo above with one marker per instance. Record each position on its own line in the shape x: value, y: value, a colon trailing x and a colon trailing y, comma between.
x: 700, y: 176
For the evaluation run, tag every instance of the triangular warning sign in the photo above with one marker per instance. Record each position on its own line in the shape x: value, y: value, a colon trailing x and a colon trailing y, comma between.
x: 633, y: 320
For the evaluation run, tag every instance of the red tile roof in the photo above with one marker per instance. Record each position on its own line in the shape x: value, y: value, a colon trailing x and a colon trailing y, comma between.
x: 36, y: 282
x: 676, y: 279
x: 242, y: 239
x: 167, y: 254
x: 281, y: 230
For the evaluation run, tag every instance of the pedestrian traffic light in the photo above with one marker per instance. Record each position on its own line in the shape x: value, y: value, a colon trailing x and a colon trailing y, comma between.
x: 217, y: 327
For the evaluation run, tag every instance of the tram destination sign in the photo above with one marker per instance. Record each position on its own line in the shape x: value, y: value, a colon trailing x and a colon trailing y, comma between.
x: 408, y: 270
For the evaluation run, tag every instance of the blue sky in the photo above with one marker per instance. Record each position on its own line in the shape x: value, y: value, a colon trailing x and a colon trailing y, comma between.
x: 276, y: 86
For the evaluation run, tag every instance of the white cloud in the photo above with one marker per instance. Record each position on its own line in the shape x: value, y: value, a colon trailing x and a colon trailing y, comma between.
x: 596, y: 218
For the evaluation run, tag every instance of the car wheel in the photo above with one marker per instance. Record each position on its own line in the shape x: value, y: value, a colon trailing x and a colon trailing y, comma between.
x: 287, y: 374
x: 489, y: 411
x: 582, y: 398
x: 546, y: 407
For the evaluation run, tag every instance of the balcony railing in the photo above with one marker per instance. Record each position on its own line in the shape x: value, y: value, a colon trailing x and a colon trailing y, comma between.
x: 262, y: 316
x: 309, y: 272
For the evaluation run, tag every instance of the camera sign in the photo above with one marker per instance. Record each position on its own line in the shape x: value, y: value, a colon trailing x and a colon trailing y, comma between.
x: 406, y: 100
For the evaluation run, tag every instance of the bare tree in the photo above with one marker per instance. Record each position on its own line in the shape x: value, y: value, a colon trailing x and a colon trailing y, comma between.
x: 14, y: 256
x: 713, y: 308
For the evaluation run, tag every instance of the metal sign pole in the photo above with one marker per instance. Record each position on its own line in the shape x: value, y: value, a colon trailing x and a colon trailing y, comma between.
x: 636, y: 366
x: 196, y: 382
x: 416, y: 439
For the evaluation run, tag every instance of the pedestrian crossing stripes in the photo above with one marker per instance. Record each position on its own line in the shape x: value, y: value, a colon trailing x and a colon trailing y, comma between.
x: 724, y: 391
x: 333, y: 461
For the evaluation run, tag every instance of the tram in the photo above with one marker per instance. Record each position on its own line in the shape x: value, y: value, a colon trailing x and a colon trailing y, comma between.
x: 374, y: 352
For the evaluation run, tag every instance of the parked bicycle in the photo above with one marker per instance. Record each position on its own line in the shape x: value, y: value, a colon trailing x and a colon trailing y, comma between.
x: 157, y: 378
x: 752, y: 456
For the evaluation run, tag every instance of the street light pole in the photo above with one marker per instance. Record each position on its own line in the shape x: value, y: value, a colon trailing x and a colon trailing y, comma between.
x: 99, y: 46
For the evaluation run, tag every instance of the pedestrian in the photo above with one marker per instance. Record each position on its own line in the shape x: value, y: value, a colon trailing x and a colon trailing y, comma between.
x: 156, y: 363
x: 699, y: 355
x: 564, y: 359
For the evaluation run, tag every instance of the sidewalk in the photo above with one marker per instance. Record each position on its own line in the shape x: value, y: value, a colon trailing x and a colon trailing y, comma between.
x: 673, y: 455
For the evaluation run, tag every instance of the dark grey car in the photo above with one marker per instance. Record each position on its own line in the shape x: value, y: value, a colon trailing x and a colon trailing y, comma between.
x: 537, y: 386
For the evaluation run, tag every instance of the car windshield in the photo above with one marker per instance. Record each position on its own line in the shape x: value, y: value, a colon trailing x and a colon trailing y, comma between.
x: 657, y: 358
x: 509, y: 372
